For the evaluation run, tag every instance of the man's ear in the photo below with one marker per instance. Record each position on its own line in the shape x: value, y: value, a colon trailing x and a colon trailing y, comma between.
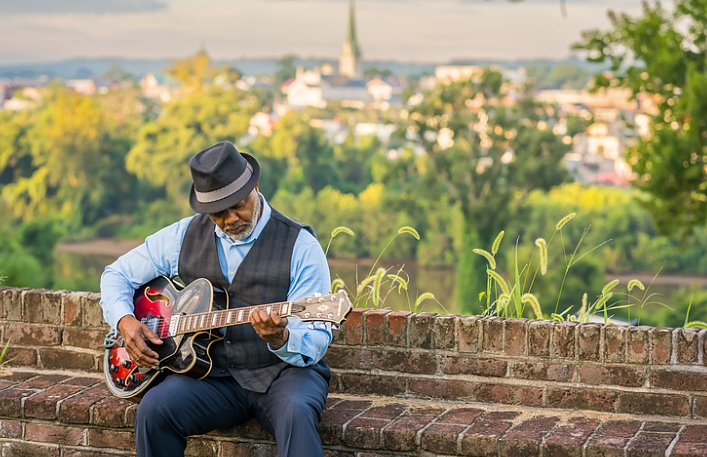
x: 257, y: 187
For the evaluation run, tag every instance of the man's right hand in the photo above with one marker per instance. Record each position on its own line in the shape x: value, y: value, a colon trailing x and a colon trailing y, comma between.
x: 134, y: 334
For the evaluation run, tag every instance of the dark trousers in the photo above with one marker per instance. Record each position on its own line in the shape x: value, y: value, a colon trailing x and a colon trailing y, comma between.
x: 181, y: 406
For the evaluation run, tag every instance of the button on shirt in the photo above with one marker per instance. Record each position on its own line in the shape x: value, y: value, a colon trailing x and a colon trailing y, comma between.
x: 159, y: 255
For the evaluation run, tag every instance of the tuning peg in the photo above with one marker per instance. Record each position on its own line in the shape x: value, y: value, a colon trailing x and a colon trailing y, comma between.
x: 322, y: 326
x: 335, y: 327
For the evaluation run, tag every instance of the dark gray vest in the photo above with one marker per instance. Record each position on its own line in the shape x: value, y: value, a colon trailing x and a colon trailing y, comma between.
x: 262, y: 277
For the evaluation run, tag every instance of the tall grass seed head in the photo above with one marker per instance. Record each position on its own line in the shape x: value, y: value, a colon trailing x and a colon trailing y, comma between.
x: 635, y: 283
x: 542, y: 246
x: 486, y: 255
x: 565, y: 220
x: 532, y: 300
x: 497, y: 242
x: 610, y: 285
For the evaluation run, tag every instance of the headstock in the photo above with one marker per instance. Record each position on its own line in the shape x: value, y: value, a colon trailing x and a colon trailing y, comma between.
x: 326, y: 308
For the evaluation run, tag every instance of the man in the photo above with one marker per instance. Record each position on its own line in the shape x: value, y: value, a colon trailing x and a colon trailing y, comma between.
x: 270, y: 370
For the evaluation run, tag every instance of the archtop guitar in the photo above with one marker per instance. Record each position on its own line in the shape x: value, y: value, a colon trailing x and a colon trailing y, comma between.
x: 185, y: 320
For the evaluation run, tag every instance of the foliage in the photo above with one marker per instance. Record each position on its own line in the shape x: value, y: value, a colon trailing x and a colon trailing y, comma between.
x: 661, y: 57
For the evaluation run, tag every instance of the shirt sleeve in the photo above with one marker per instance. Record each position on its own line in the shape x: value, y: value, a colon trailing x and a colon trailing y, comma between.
x: 309, y: 276
x: 158, y: 255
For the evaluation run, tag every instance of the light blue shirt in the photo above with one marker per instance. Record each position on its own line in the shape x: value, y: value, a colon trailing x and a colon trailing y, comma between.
x: 159, y: 256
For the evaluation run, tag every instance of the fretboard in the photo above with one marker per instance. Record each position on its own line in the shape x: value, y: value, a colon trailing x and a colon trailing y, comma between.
x: 191, y: 323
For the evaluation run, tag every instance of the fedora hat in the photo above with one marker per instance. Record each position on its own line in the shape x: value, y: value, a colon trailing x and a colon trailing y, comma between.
x: 221, y: 177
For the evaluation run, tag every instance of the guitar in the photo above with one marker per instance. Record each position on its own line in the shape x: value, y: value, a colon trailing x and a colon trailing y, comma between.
x: 182, y: 317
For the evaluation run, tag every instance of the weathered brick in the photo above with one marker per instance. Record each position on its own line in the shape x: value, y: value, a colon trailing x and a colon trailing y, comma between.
x: 249, y: 429
x: 421, y: 330
x: 10, y: 429
x: 199, y: 447
x: 563, y: 340
x: 481, y: 440
x: 57, y: 434
x: 648, y: 444
x: 339, y: 336
x: 77, y: 409
x: 543, y: 371
x: 92, y: 311
x: 417, y: 363
x: 625, y: 376
x: 638, y: 345
x: 42, y: 307
x: 539, y: 338
x: 401, y: 434
x: 365, y: 432
x: 354, y: 326
x: 589, y: 342
x: 44, y: 404
x: 524, y: 439
x: 513, y: 395
x: 441, y: 438
x: 688, y: 345
x: 700, y: 407
x: 25, y: 449
x: 67, y: 359
x: 679, y: 380
x: 107, y: 438
x: 567, y: 440
x: 11, y: 401
x: 461, y: 416
x: 375, y: 326
x: 21, y: 357
x: 645, y: 403
x: 248, y: 449
x: 589, y: 399
x: 468, y: 334
x: 110, y: 412
x: 663, y: 427
x: 84, y: 337
x: 72, y: 306
x: 493, y: 334
x: 12, y: 304
x: 43, y: 381
x: 398, y: 328
x: 611, y: 438
x: 473, y: 366
x: 689, y: 450
x: 443, y: 332
x: 348, y: 357
x: 661, y: 345
x: 441, y: 388
x: 372, y: 384
x: 331, y: 426
x: 514, y: 336
x: 615, y: 343
x: 32, y: 335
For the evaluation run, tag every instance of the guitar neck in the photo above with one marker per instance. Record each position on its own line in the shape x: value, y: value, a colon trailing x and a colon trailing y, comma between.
x: 190, y: 323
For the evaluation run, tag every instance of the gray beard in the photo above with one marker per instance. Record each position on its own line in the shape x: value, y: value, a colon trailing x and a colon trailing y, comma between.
x: 250, y: 226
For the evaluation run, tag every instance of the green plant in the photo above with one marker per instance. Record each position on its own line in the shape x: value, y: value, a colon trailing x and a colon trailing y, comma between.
x: 379, y: 283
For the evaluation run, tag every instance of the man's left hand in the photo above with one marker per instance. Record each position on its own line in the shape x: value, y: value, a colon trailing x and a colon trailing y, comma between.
x: 270, y: 327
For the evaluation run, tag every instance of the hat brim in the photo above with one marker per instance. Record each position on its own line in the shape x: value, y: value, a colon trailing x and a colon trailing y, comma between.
x: 231, y: 200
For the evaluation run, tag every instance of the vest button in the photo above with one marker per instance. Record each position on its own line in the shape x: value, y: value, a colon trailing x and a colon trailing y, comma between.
x: 228, y: 342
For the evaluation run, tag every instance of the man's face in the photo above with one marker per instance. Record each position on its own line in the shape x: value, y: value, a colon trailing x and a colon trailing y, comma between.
x: 239, y: 220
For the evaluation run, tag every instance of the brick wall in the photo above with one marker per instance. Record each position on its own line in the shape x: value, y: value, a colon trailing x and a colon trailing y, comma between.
x: 528, y: 376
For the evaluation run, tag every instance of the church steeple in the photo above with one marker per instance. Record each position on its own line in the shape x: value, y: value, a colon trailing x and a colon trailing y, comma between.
x: 350, y: 59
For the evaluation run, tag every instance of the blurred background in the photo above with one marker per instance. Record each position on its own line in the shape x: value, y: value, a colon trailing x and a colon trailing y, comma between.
x: 461, y: 119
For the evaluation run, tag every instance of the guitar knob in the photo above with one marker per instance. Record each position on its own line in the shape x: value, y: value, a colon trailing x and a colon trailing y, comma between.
x: 127, y: 363
x: 132, y: 379
x: 119, y: 382
x: 113, y: 368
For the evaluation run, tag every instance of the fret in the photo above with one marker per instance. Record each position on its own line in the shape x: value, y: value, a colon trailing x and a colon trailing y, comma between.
x: 201, y: 321
x: 214, y: 320
x: 229, y: 315
x: 268, y: 309
x: 240, y: 315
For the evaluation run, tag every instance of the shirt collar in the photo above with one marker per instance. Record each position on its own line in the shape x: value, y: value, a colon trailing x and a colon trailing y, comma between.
x: 265, y: 214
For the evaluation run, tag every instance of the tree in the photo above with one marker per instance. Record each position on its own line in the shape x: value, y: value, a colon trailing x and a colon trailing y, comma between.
x: 485, y: 156
x: 662, y: 57
x: 285, y: 69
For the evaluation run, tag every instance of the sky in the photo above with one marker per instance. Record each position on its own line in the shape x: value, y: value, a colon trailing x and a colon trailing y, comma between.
x: 34, y: 31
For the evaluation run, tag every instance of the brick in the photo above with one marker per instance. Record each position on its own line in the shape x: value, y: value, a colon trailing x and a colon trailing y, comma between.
x: 77, y: 410
x: 12, y: 304
x: 32, y: 335
x: 92, y: 312
x: 543, y: 371
x: 688, y: 345
x: 473, y: 366
x: 679, y: 380
x: 44, y: 404
x: 420, y: 330
x: 16, y: 377
x: 589, y: 342
x: 250, y: 429
x: 10, y: 429
x: 406, y: 362
x: 365, y: 432
x: 110, y: 412
x: 58, y: 434
x: 693, y: 434
x: 481, y: 440
x: 401, y: 434
x: 43, y: 382
x: 335, y: 453
x: 84, y: 381
x: 11, y: 401
x: 661, y: 345
x: 348, y: 357
x: 106, y: 438
x: 372, y: 384
x: 331, y: 426
x: 468, y: 334
x: 24, y: 449
x: 514, y: 336
x: 21, y: 357
x: 72, y: 305
x: 66, y: 359
x: 248, y: 449
x: 354, y: 326
x: 638, y: 345
x: 567, y: 440
x: 441, y: 438
x: 658, y: 404
x: 563, y: 340
x: 444, y: 332
x: 441, y: 388
x: 615, y: 343
x: 513, y: 395
x: 625, y: 376
x: 539, y: 338
x: 398, y: 328
x: 689, y: 450
x: 648, y: 444
x: 387, y: 412
x: 584, y: 399
x: 663, y: 427
x: 199, y: 447
x: 525, y: 439
x: 460, y: 416
x: 611, y: 438
x: 42, y: 307
x: 92, y: 453
x: 84, y: 337
x: 375, y: 326
x: 493, y: 334
x: 700, y: 407
x: 339, y: 336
